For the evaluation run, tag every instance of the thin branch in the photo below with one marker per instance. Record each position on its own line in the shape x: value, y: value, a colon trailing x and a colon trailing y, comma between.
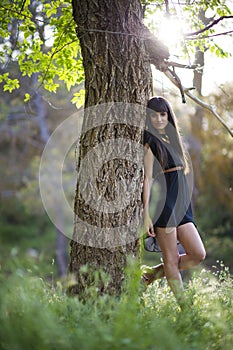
x: 22, y: 7
x: 14, y: 44
x: 209, y: 36
x: 21, y: 14
x: 208, y: 27
x: 178, y: 83
x: 50, y: 61
x: 180, y: 65
x: 201, y: 103
x: 210, y: 108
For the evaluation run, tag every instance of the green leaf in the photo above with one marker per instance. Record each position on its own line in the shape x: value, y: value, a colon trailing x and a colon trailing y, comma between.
x: 79, y: 98
x: 4, y: 77
x: 11, y: 84
x: 27, y: 97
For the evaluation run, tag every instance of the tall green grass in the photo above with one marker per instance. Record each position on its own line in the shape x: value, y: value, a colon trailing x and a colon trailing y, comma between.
x: 37, y: 315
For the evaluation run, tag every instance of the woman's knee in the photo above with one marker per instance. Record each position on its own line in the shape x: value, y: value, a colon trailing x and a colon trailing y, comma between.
x: 198, y: 255
x: 202, y: 255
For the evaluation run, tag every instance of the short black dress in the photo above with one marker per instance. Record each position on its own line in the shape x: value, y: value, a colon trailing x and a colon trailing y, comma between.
x: 170, y: 199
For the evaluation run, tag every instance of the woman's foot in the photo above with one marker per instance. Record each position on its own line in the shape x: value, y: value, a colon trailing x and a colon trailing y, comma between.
x: 148, y: 274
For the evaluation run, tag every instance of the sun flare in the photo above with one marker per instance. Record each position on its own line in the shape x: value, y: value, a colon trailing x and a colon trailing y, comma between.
x: 170, y: 32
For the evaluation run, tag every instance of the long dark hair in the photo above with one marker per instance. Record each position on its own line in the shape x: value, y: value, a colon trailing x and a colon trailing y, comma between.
x: 160, y: 104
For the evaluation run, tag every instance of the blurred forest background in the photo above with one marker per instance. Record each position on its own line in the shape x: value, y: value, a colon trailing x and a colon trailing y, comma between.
x: 28, y: 239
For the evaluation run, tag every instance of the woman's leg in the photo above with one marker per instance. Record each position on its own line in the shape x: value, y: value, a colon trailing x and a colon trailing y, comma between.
x: 195, y: 253
x: 168, y: 245
x: 194, y: 249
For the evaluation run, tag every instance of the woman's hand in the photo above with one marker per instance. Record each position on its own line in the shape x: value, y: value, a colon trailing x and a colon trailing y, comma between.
x: 148, y: 225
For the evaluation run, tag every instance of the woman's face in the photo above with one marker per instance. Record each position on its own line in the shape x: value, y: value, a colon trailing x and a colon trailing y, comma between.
x: 159, y: 120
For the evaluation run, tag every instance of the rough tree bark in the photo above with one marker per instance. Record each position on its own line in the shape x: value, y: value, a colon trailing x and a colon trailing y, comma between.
x: 117, y: 50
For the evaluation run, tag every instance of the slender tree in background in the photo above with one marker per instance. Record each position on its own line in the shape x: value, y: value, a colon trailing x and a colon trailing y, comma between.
x: 195, y: 138
x: 37, y: 110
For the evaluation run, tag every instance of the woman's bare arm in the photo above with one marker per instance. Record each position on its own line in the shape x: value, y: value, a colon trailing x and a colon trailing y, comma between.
x: 147, y: 184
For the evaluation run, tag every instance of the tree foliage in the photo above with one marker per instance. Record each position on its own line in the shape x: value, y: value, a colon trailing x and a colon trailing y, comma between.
x: 41, y: 37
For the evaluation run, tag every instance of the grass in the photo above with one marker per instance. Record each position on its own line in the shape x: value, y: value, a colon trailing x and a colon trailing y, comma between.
x: 37, y: 315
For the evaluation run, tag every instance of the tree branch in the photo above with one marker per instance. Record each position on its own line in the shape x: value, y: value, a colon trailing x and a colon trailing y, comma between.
x: 22, y: 7
x: 12, y: 10
x: 180, y: 65
x: 178, y: 83
x: 51, y: 58
x: 201, y: 103
x: 210, y: 36
x: 208, y: 26
x: 161, y: 62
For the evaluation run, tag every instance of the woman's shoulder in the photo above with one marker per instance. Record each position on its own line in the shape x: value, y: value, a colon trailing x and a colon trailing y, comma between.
x: 148, y: 137
x: 150, y: 141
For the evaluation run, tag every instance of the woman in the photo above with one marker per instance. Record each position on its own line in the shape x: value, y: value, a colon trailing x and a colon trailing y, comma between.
x: 165, y: 160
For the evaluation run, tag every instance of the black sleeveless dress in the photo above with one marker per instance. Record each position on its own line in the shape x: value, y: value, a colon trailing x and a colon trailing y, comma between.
x: 170, y: 199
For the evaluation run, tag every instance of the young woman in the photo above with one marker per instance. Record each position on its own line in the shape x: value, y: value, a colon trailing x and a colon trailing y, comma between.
x: 172, y: 219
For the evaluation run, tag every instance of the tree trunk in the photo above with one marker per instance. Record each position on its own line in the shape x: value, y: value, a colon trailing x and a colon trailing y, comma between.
x: 117, y: 69
x: 195, y: 139
x: 197, y: 126
x: 61, y: 253
x: 41, y: 113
